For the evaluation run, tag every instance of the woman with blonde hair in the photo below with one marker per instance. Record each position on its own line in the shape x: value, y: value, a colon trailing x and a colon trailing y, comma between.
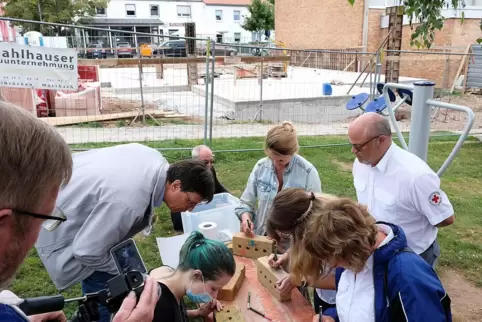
x: 282, y: 168
x: 377, y: 277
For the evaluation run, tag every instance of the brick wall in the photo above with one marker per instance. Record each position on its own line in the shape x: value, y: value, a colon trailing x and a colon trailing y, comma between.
x: 375, y: 32
x: 314, y: 24
x: 438, y: 68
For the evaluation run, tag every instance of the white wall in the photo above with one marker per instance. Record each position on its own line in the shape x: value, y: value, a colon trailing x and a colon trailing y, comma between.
x: 203, y: 15
x: 227, y: 25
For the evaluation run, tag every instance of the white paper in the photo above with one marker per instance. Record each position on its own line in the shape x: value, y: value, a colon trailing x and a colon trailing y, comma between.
x: 169, y: 248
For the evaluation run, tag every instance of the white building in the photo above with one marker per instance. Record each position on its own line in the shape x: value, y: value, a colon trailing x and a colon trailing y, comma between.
x: 219, y: 19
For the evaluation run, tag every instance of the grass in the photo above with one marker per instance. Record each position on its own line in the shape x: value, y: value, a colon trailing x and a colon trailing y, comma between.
x: 461, y: 244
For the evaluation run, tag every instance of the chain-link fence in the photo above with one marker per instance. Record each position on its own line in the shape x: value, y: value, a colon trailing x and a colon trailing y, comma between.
x: 138, y: 85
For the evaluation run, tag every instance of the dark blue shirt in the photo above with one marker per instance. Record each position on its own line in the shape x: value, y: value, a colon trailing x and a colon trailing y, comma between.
x: 8, y: 314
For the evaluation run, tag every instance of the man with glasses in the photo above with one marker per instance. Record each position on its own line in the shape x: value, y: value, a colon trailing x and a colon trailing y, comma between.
x: 34, y: 162
x: 203, y: 153
x: 397, y: 186
x: 110, y: 198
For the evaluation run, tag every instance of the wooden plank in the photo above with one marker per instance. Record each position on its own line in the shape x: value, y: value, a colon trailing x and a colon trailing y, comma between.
x: 462, y: 63
x: 348, y: 66
x: 68, y: 120
x: 252, y: 247
x: 296, y: 310
x: 230, y: 313
x: 130, y: 62
x: 229, y: 291
x: 268, y: 277
x: 466, y: 70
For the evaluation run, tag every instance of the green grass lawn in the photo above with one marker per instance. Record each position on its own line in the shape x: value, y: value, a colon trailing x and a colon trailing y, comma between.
x: 461, y: 243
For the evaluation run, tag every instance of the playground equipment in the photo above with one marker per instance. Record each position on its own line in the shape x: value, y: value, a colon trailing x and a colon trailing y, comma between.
x: 422, y: 104
x: 420, y: 97
x: 379, y: 104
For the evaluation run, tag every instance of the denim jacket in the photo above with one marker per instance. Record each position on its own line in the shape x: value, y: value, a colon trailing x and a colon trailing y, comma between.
x: 262, y: 187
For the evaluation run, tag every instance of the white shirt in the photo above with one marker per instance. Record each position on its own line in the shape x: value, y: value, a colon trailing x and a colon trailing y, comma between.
x: 403, y: 190
x: 355, y: 299
x: 329, y: 296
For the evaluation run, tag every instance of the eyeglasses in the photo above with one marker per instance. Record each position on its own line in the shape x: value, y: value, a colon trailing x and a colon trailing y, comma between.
x: 192, y: 204
x: 51, y: 222
x: 284, y: 235
x: 358, y: 147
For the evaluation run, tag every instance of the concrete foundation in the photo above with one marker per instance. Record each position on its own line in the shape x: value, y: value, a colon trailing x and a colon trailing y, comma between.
x: 323, y: 110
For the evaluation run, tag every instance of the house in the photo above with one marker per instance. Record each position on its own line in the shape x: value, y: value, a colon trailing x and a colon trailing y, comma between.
x: 219, y: 19
x: 335, y: 24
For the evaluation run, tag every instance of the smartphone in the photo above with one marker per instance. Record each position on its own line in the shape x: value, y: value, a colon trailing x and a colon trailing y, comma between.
x: 127, y: 257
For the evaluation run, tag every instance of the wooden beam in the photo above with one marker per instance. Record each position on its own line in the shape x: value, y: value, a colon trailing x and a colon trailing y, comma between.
x: 460, y: 68
x: 69, y: 120
x: 129, y: 62
x: 466, y: 70
x: 351, y: 63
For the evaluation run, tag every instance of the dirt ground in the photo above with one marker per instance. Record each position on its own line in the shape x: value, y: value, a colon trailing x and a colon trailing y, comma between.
x: 449, y: 120
x: 112, y: 105
x: 466, y: 297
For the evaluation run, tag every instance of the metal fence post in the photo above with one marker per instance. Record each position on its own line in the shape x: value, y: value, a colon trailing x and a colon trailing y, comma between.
x: 142, y: 94
x: 206, y: 92
x: 212, y: 95
x: 421, y: 112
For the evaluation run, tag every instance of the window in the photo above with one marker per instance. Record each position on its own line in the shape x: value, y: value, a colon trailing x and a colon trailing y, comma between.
x: 219, y: 38
x: 236, y: 15
x: 154, y: 10
x: 237, y: 37
x: 219, y: 15
x: 184, y: 11
x: 173, y: 32
x: 130, y: 10
x: 100, y: 11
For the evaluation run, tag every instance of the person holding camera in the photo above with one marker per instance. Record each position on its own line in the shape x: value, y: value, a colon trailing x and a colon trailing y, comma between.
x: 34, y: 162
x: 205, y: 266
x: 111, y: 198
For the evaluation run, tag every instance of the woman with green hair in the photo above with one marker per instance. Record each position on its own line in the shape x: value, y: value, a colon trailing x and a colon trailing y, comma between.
x: 205, y: 266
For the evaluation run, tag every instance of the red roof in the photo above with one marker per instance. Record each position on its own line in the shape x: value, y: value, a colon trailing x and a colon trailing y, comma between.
x: 228, y: 2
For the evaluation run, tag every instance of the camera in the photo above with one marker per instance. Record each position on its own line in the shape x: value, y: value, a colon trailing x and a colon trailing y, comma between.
x: 132, y: 275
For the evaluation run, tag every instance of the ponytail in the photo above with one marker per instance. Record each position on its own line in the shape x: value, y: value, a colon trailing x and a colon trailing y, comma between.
x: 211, y: 257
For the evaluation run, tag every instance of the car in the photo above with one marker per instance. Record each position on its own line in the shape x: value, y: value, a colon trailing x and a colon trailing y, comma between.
x: 220, y: 50
x: 95, y: 51
x: 124, y: 50
x: 172, y: 48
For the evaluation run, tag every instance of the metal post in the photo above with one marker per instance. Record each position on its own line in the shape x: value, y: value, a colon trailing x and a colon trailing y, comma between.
x: 206, y: 92
x: 421, y: 112
x: 142, y: 94
x: 261, y: 93
x: 212, y: 95
x: 378, y: 71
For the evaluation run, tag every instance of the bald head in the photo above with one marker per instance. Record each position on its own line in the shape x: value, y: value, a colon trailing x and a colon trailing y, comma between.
x: 370, y: 136
x: 203, y: 152
x: 370, y: 125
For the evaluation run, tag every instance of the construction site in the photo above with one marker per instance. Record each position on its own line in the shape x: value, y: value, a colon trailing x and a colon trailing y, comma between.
x: 273, y: 84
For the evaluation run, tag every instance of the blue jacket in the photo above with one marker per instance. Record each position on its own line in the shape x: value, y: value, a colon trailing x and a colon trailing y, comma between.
x: 9, y: 314
x: 414, y: 289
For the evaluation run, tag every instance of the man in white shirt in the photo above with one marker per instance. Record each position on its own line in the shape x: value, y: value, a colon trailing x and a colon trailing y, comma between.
x: 397, y: 186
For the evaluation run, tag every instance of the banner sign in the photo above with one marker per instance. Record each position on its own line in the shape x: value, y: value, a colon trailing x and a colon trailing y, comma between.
x: 24, y: 66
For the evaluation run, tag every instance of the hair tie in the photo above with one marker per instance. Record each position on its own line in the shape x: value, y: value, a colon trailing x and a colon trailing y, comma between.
x: 308, y: 211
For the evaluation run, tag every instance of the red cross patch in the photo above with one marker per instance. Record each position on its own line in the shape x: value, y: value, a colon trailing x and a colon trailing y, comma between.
x: 435, y: 198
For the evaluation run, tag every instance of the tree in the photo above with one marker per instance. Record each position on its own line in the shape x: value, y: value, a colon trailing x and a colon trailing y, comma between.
x: 261, y: 16
x: 429, y: 16
x: 57, y: 11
